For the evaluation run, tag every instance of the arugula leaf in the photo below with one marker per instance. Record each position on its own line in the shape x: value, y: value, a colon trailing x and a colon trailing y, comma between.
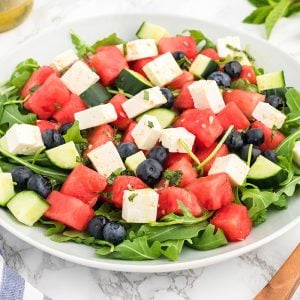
x: 259, y: 3
x: 198, y: 36
x: 112, y: 39
x: 108, y: 210
x: 277, y: 12
x: 243, y: 84
x: 81, y: 46
x: 208, y: 239
x: 173, y: 177
x: 172, y: 249
x: 12, y: 115
x: 293, y: 100
x: 137, y: 249
x: 286, y: 147
x: 259, y: 15
x: 281, y: 203
x: 73, y: 134
x: 53, y: 227
x: 289, y: 188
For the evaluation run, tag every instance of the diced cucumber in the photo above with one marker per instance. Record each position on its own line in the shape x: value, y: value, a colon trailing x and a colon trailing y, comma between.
x: 64, y: 156
x: 203, y: 66
x: 266, y: 174
x: 132, y: 82
x: 95, y: 95
x: 151, y: 31
x: 164, y: 116
x: 6, y: 188
x: 27, y: 207
x: 278, y: 91
x: 269, y: 81
x: 133, y: 161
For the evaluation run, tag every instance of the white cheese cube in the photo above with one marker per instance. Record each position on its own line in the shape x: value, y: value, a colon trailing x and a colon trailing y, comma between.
x: 143, y: 101
x: 64, y: 60
x: 206, y: 94
x: 147, y: 132
x: 170, y: 139
x: 223, y: 50
x: 268, y: 115
x: 296, y: 153
x: 140, y: 49
x: 162, y: 69
x: 22, y: 139
x: 6, y: 188
x: 233, y: 166
x: 106, y: 159
x: 96, y: 115
x: 140, y: 206
x: 79, y: 78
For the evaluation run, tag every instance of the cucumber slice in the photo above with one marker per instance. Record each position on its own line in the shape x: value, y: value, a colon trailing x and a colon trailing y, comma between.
x: 278, y: 91
x: 95, y: 95
x: 133, y: 161
x: 27, y: 207
x: 266, y: 174
x: 151, y: 31
x: 64, y: 156
x: 132, y: 82
x: 164, y: 116
x: 203, y: 66
x: 269, y: 81
x: 6, y: 188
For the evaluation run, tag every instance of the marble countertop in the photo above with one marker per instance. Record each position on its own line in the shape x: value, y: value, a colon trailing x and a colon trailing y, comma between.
x: 236, y: 279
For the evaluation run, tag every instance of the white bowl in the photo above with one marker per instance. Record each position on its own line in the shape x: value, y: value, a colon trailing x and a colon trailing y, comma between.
x: 44, y: 47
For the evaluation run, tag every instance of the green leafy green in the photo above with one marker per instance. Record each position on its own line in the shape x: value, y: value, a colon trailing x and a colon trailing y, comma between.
x: 292, y: 97
x: 259, y: 15
x: 172, y: 249
x: 198, y: 36
x: 289, y: 188
x: 73, y: 134
x: 112, y: 39
x: 108, y: 210
x: 53, y: 227
x: 286, y: 147
x: 208, y: 239
x: 173, y: 177
x: 243, y: 84
x: 259, y: 3
x: 81, y: 46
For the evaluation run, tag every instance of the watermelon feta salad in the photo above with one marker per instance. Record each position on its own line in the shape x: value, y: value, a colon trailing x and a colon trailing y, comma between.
x: 141, y: 148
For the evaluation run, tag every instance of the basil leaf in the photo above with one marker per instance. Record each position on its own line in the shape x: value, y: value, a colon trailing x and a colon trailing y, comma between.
x: 12, y: 115
x: 172, y: 249
x: 112, y: 39
x: 259, y: 3
x: 259, y: 15
x: 74, y: 134
x: 243, y: 84
x: 278, y: 11
x: 208, y: 239
x: 198, y: 36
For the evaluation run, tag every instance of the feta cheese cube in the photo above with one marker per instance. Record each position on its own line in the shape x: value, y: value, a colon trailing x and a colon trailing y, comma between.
x: 64, y: 60
x: 233, y: 166
x: 143, y: 101
x: 296, y: 153
x: 140, y: 49
x: 206, y: 94
x: 147, y: 132
x: 140, y: 206
x: 223, y: 50
x: 170, y: 139
x: 106, y: 159
x: 22, y: 139
x: 162, y: 69
x: 268, y: 115
x: 79, y: 78
x: 96, y: 115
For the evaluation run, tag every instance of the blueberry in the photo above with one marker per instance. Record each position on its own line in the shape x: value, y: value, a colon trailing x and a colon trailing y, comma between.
x: 222, y: 79
x: 64, y: 128
x: 235, y: 141
x: 270, y: 155
x: 233, y: 69
x: 150, y: 171
x: 114, y: 233
x: 169, y: 96
x: 39, y: 184
x: 127, y: 149
x: 245, y: 150
x: 178, y: 55
x: 20, y: 176
x: 159, y: 153
x: 276, y: 101
x: 254, y: 136
x: 52, y: 138
x: 95, y: 226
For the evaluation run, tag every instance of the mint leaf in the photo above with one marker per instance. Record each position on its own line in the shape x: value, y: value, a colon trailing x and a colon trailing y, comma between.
x: 208, y: 239
x: 259, y: 3
x: 277, y: 12
x: 73, y: 134
x: 172, y: 249
x: 293, y: 9
x: 198, y: 36
x: 259, y: 15
x: 112, y: 39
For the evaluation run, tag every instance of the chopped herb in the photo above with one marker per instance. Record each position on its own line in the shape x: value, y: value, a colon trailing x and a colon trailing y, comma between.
x: 249, y: 56
x: 106, y: 195
x: 114, y: 175
x: 173, y: 177
x: 150, y: 124
x: 132, y: 196
x: 184, y: 63
x: 146, y: 95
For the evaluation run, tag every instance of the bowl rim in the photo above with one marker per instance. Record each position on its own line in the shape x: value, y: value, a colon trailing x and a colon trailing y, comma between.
x: 142, y: 268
